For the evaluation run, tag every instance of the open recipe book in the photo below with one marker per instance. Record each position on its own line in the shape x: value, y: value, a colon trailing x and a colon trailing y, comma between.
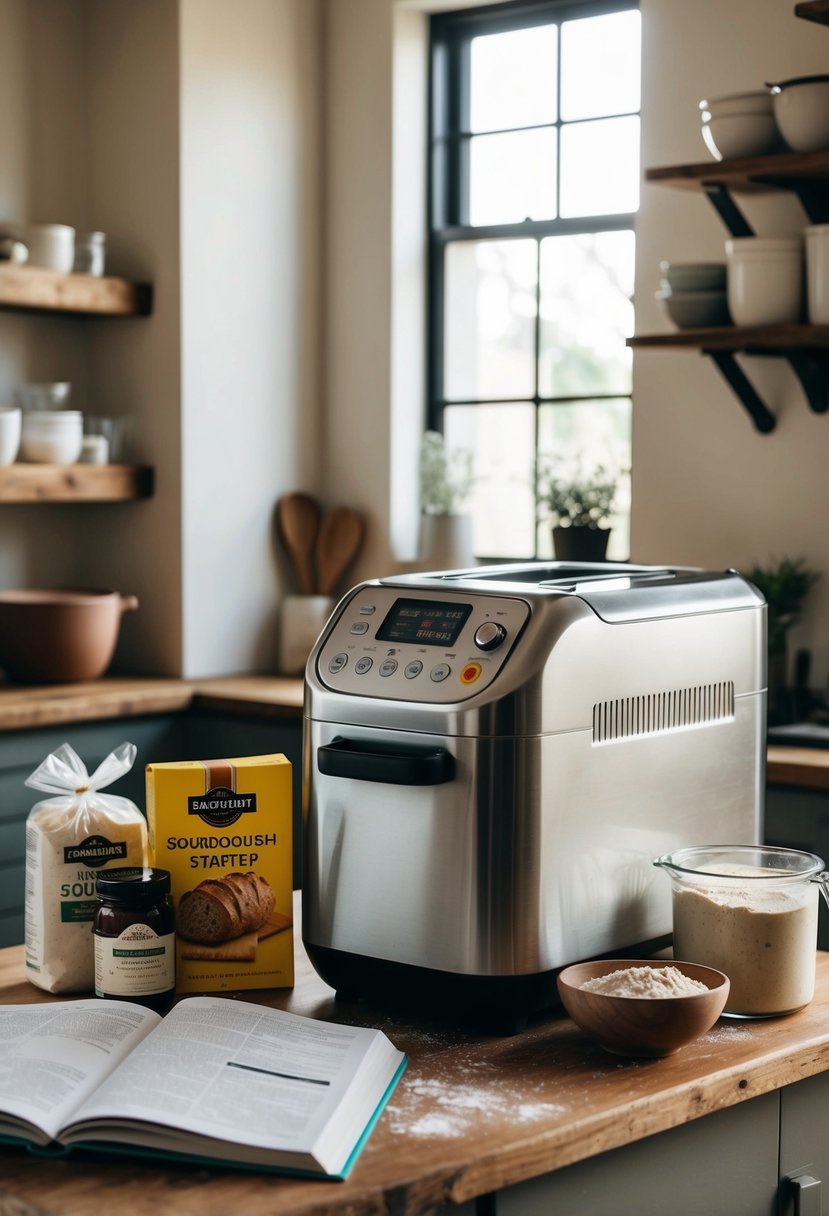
x: 216, y: 1080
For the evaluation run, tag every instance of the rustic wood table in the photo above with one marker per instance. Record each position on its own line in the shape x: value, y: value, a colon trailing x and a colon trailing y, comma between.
x: 471, y: 1116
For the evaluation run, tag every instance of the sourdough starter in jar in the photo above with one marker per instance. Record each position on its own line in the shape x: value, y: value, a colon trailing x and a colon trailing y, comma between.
x: 763, y: 936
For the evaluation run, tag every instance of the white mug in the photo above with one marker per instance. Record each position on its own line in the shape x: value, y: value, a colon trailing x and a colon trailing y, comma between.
x: 303, y: 619
x: 10, y: 426
x: 51, y: 246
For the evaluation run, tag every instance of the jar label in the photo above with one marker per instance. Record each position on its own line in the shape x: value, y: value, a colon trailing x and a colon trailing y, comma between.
x: 139, y: 962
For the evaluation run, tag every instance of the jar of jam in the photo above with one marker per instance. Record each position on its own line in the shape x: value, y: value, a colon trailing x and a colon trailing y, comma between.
x: 135, y: 941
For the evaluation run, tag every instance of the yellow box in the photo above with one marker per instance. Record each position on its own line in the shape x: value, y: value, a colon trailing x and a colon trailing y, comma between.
x: 224, y: 830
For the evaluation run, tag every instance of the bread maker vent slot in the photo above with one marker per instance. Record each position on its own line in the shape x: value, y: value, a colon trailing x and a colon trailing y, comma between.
x: 655, y: 712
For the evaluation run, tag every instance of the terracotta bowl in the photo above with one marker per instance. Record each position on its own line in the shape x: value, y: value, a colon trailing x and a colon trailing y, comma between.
x: 59, y: 637
x: 642, y: 1026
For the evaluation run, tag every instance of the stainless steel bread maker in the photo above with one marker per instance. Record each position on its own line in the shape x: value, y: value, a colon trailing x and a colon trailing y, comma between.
x: 493, y: 757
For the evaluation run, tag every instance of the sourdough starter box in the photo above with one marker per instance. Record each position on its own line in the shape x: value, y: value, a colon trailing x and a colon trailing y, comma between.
x: 223, y: 828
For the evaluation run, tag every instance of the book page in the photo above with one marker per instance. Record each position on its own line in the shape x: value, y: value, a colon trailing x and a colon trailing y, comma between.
x: 234, y: 1071
x: 53, y: 1056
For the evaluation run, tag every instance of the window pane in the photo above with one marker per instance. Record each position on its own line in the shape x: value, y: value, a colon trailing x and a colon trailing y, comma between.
x: 502, y: 438
x: 512, y: 177
x: 600, y: 68
x: 586, y: 314
x: 600, y: 167
x: 489, y: 325
x: 513, y: 79
x: 582, y: 436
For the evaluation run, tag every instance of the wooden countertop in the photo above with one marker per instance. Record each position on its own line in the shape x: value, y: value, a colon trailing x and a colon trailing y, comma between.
x: 471, y: 1115
x: 23, y: 707
x: 807, y: 767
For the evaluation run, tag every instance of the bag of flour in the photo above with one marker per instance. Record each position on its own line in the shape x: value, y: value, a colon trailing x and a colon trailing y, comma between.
x: 70, y: 837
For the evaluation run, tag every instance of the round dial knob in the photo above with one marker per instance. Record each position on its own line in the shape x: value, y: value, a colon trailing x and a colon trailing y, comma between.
x: 490, y: 635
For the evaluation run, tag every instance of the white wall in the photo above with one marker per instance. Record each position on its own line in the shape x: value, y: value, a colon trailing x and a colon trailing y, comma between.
x: 250, y: 299
x: 707, y: 488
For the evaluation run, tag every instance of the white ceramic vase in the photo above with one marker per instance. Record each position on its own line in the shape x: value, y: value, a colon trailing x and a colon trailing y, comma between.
x: 446, y: 542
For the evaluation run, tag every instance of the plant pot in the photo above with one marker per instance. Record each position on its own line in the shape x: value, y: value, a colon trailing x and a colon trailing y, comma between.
x: 446, y: 542
x: 578, y: 544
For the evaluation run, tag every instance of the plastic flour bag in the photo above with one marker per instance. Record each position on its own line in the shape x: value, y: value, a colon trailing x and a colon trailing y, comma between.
x: 70, y: 837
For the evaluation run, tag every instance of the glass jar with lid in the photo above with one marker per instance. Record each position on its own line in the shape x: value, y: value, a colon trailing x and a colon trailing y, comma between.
x: 135, y: 941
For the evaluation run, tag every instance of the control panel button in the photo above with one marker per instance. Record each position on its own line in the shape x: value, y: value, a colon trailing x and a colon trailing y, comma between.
x: 413, y: 669
x: 490, y: 635
x: 439, y: 672
x: 367, y: 610
x: 337, y: 662
x: 388, y: 667
x: 359, y: 627
x: 363, y: 665
x: 470, y: 673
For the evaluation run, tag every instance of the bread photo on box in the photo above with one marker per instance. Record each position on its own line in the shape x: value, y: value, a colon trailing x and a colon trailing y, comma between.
x: 224, y: 830
x: 228, y: 917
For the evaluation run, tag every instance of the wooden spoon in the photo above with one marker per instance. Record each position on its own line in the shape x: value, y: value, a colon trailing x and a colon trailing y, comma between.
x: 297, y: 522
x: 338, y: 543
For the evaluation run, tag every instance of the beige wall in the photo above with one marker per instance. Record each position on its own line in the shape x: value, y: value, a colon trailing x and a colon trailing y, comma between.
x: 707, y: 488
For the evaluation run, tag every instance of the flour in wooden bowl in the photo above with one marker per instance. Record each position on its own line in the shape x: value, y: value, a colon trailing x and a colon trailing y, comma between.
x: 657, y: 982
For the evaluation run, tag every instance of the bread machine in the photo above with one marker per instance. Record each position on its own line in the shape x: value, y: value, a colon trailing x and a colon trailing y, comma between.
x: 493, y: 757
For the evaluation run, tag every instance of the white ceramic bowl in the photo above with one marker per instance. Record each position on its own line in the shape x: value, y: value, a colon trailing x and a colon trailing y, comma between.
x: 695, y: 309
x: 801, y: 110
x: 52, y: 438
x: 694, y: 276
x: 730, y: 136
x: 759, y: 101
x: 10, y: 420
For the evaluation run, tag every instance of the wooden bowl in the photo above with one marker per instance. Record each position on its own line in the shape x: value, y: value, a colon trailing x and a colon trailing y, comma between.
x: 59, y: 637
x: 642, y: 1026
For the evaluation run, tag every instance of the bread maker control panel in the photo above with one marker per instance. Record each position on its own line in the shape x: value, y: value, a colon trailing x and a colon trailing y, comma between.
x: 399, y: 644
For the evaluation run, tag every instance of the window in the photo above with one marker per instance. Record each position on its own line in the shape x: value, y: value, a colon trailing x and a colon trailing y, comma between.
x: 534, y: 187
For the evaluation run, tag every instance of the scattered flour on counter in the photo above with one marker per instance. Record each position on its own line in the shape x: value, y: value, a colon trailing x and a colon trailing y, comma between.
x: 656, y: 982
x: 726, y: 1034
x: 448, y: 1109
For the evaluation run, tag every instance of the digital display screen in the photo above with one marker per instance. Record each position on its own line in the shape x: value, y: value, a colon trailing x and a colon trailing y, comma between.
x: 424, y: 622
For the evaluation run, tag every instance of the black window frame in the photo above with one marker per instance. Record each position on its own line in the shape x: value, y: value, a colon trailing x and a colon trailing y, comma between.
x: 448, y: 180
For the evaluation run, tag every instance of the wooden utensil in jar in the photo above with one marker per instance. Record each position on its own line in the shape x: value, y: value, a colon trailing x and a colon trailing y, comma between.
x: 297, y: 522
x: 338, y: 543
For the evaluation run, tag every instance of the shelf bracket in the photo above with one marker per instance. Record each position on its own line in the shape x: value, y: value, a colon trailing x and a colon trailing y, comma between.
x: 728, y: 211
x: 812, y: 195
x: 812, y: 370
x: 762, y: 417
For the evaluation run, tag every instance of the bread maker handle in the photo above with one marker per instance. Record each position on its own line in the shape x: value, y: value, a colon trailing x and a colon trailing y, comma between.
x: 393, y: 766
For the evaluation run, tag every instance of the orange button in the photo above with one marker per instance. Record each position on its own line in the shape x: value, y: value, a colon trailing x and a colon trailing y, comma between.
x: 470, y: 673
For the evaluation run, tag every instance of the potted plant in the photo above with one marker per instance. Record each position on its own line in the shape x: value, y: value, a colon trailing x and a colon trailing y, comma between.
x: 578, y: 505
x: 785, y: 585
x: 445, y: 483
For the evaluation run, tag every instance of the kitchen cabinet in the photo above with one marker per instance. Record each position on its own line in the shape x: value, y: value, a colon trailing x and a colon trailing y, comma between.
x: 805, y: 347
x: 30, y: 289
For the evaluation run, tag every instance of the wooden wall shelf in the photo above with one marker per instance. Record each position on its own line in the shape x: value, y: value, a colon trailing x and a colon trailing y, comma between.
x: 31, y: 289
x: 80, y: 483
x: 805, y: 347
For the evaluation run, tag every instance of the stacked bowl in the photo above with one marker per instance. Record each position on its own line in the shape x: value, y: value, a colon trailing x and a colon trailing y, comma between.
x: 694, y: 294
x: 740, y: 124
x: 51, y: 436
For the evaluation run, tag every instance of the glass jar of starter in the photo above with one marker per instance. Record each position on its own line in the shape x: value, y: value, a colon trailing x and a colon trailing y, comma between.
x: 134, y: 933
